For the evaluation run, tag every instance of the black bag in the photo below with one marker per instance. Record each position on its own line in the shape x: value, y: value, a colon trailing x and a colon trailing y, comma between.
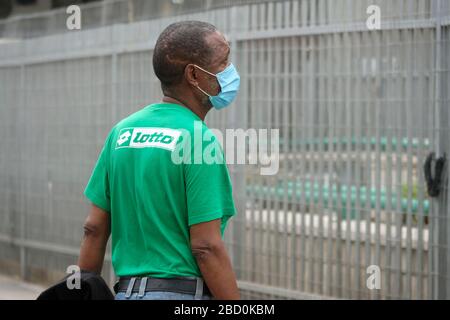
x: 92, y: 287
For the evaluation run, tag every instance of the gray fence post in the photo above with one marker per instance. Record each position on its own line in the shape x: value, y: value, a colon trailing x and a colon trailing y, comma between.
x: 22, y: 220
x: 441, y: 282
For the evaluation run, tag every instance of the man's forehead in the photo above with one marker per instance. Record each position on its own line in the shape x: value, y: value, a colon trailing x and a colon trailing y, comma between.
x: 217, y: 40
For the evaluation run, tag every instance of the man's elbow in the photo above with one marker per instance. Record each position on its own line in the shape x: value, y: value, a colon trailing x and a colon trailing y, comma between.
x: 97, y: 224
x: 94, y: 230
x: 205, y: 249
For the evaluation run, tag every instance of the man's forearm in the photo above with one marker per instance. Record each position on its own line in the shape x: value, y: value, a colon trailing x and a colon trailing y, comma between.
x: 216, y: 269
x: 92, y: 253
x: 95, y: 238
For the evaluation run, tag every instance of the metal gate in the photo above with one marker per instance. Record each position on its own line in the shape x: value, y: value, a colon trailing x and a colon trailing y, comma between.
x: 357, y: 110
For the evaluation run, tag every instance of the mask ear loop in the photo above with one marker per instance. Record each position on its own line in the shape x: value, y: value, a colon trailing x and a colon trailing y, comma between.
x: 212, y: 74
x: 206, y: 93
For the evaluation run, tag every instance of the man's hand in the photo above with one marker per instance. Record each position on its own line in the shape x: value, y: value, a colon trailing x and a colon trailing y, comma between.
x: 97, y: 229
x: 212, y: 258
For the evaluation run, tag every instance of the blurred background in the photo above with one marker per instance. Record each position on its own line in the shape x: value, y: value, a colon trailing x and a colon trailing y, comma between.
x: 358, y: 111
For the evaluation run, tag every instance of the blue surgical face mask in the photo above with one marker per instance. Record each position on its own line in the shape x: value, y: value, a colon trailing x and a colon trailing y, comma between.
x: 229, y: 82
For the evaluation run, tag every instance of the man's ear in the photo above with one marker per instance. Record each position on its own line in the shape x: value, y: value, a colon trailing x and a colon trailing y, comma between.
x: 191, y: 74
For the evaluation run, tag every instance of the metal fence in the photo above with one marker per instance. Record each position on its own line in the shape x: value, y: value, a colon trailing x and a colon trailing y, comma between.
x: 357, y: 110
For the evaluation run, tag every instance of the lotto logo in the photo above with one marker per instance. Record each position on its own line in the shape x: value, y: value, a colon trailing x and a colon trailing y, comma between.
x: 164, y: 138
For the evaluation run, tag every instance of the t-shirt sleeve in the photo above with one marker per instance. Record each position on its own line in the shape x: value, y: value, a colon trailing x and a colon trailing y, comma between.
x: 97, y: 189
x: 208, y: 185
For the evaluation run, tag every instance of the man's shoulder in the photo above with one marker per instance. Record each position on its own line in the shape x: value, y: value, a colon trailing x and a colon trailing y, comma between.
x: 131, y: 118
x: 160, y: 115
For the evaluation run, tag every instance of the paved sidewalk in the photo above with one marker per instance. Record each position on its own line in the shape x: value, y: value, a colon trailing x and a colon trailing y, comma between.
x: 15, y: 289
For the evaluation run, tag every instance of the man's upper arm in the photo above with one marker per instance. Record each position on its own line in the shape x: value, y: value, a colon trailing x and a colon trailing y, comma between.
x: 208, y: 187
x: 97, y: 189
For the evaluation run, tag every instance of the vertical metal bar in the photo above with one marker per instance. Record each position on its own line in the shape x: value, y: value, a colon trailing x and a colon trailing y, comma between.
x: 422, y: 13
x: 279, y: 15
x: 311, y: 168
x: 398, y: 169
x: 239, y: 120
x: 331, y: 111
x: 304, y: 13
x: 239, y: 56
x: 262, y: 16
x: 321, y: 13
x: 287, y: 18
x: 295, y: 14
x: 341, y: 185
x: 276, y: 122
x: 287, y: 152
x: 330, y: 7
x: 338, y: 188
x: 388, y: 106
x: 377, y: 40
x: 261, y: 49
x: 232, y: 243
x: 270, y: 14
x: 349, y: 11
x: 408, y: 106
x: 349, y: 206
x: 420, y: 98
x: 313, y: 13
x: 367, y: 103
x: 434, y: 213
x: 23, y: 218
x: 319, y: 180
x: 356, y: 42
x: 267, y: 203
x: 296, y: 133
x: 303, y: 156
x: 253, y: 76
x: 253, y: 17
x: 356, y: 12
x: 269, y: 105
x: 256, y: 51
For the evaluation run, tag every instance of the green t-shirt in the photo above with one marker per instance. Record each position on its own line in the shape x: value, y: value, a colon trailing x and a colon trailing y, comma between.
x: 149, y: 177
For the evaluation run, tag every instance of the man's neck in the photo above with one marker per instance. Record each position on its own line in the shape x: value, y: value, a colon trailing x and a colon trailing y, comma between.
x: 198, y: 110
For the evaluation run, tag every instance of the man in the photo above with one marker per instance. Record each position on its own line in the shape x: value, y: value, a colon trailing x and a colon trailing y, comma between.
x: 167, y: 217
